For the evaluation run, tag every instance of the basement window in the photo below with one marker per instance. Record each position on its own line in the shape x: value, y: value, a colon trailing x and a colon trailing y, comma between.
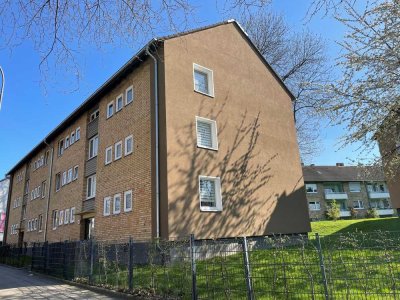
x: 210, y: 193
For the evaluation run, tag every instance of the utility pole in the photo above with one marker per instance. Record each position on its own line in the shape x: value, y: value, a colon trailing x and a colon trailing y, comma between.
x: 2, y: 86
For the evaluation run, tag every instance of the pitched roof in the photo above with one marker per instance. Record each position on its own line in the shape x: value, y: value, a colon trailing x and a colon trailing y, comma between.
x: 344, y: 173
x: 127, y: 67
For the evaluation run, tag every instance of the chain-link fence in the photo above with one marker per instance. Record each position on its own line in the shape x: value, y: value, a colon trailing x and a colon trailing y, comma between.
x: 341, y: 266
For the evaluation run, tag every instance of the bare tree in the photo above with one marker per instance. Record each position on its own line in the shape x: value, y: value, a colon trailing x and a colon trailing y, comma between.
x: 366, y: 100
x: 59, y: 29
x: 300, y: 60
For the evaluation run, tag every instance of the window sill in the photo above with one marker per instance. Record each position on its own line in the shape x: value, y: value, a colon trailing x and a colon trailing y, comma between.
x: 107, y: 163
x: 117, y: 158
x: 205, y: 94
x: 126, y: 104
x: 90, y: 158
x: 89, y: 198
x: 108, y: 117
x: 207, y: 148
x: 126, y: 154
x: 204, y: 209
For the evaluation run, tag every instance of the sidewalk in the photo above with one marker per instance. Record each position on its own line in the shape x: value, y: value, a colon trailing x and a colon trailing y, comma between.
x: 22, y: 284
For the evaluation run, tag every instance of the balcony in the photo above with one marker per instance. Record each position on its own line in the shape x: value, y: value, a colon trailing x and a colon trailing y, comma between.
x: 330, y: 195
x: 345, y: 213
x: 385, y: 212
x: 378, y: 195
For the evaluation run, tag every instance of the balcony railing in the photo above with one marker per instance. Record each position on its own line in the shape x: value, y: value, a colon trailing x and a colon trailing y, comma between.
x: 378, y: 195
x: 345, y: 213
x: 385, y: 211
x: 329, y: 195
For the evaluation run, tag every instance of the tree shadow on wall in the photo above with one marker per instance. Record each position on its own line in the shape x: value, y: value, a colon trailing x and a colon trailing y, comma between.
x: 249, y: 200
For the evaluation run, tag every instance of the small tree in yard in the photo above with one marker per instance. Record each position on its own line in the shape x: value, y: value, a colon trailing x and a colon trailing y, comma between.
x: 372, y: 213
x: 333, y: 212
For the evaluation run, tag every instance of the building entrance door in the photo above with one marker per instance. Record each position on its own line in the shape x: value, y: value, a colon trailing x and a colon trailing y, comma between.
x: 89, y: 226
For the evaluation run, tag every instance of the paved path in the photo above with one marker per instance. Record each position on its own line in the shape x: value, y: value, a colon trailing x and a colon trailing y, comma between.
x: 21, y: 284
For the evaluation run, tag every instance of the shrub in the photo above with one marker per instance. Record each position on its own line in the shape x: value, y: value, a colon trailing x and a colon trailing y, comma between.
x: 372, y: 213
x: 353, y: 213
x: 333, y: 212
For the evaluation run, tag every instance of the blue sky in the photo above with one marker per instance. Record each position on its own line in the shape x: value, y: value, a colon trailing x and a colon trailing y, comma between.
x: 32, y: 109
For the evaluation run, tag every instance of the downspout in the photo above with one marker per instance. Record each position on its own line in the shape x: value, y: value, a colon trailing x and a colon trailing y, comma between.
x: 5, y: 233
x: 157, y: 137
x: 48, y: 192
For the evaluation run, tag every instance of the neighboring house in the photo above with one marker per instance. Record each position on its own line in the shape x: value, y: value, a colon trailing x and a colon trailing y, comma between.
x: 388, y: 139
x: 4, y: 186
x: 352, y: 187
x: 195, y: 134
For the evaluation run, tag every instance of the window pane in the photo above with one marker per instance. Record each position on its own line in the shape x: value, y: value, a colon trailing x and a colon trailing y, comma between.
x: 201, y: 81
x: 129, y: 96
x: 207, y: 193
x: 204, y: 134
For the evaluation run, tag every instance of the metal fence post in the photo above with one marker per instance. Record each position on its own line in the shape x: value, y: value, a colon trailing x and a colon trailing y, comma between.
x: 322, y: 266
x: 91, y: 245
x: 46, y: 256
x: 130, y: 265
x: 193, y: 266
x: 65, y: 260
x: 247, y: 272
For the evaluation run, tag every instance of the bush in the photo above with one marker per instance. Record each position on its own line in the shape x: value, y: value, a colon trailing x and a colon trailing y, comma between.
x: 353, y: 213
x: 333, y: 212
x: 372, y: 213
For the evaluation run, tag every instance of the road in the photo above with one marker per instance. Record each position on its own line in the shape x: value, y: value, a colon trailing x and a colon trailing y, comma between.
x: 22, y: 284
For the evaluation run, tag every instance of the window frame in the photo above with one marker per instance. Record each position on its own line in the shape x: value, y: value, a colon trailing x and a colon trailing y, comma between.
x: 126, y: 95
x: 72, y: 138
x: 107, y: 201
x: 130, y: 137
x: 44, y: 189
x: 116, y: 212
x: 358, y: 204
x: 64, y: 178
x: 94, y: 141
x: 77, y: 134
x: 314, y: 191
x: 120, y: 96
x: 66, y: 142
x: 69, y: 175
x: 125, y: 194
x: 352, y: 184
x: 115, y: 150
x: 58, y: 181
x: 61, y: 217
x: 40, y: 223
x: 72, y: 215
x: 218, y: 194
x: 210, y: 79
x: 66, y: 216
x: 93, y: 187
x: 95, y: 115
x: 310, y: 206
x: 106, y: 156
x: 60, y: 147
x: 75, y: 173
x: 108, y: 114
x: 55, y: 219
x: 214, y: 133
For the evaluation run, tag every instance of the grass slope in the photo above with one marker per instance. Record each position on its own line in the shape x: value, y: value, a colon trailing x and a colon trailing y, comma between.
x: 360, y: 225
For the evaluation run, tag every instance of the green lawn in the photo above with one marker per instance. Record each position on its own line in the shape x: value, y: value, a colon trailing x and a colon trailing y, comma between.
x: 359, y: 225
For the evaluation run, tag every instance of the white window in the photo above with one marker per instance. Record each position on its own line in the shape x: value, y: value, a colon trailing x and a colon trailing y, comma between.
x: 128, y: 201
x: 206, y: 133
x: 311, y: 188
x: 93, y: 146
x: 40, y: 225
x: 35, y: 224
x: 108, y: 155
x: 107, y: 206
x: 32, y: 194
x: 66, y: 142
x: 43, y: 189
x: 117, y: 204
x: 58, y: 182
x: 61, y: 217
x: 129, y: 95
x: 78, y: 134
x: 354, y: 187
x: 119, y: 103
x: 210, y: 193
x: 128, y: 145
x: 60, y: 147
x: 91, y: 187
x: 76, y: 173
x: 94, y: 115
x: 66, y: 216
x: 358, y: 204
x: 118, y: 150
x: 203, y: 80
x: 72, y: 137
x: 64, y: 178
x: 55, y: 219
x: 29, y: 225
x: 110, y: 109
x: 69, y: 177
x: 72, y: 216
x: 314, y: 205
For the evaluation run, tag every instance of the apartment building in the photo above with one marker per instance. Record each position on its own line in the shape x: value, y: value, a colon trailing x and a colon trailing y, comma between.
x: 388, y: 139
x: 195, y: 134
x: 353, y: 188
x: 4, y: 187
